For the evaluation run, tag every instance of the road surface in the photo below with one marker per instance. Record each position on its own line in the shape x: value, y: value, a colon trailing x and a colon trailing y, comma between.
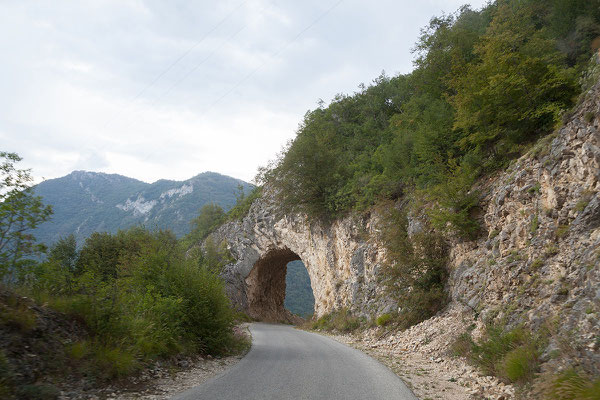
x: 287, y: 363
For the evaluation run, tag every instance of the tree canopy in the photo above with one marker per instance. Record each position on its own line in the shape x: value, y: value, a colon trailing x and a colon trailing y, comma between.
x: 20, y: 212
x: 486, y: 85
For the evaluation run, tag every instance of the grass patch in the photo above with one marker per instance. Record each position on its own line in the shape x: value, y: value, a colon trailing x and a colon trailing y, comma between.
x: 562, y: 231
x: 510, y: 354
x: 589, y: 117
x: 550, y: 251
x: 383, y: 319
x: 535, y: 188
x: 573, y: 385
x: 537, y: 264
x: 339, y: 321
x: 535, y: 223
x: 17, y: 316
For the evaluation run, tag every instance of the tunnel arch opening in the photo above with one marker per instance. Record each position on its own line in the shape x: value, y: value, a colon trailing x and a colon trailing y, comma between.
x: 266, y: 286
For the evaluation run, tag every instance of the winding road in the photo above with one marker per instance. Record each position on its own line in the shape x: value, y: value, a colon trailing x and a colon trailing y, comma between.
x: 287, y: 363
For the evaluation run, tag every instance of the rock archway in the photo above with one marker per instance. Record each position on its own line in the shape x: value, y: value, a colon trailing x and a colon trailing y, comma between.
x: 341, y: 263
x: 265, y: 285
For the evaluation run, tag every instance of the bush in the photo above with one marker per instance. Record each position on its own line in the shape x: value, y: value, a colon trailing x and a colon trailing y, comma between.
x: 415, y: 272
x: 242, y: 206
x: 383, y: 319
x: 573, y: 385
x: 114, y: 362
x: 145, y: 300
x: 510, y: 354
x: 340, y: 320
x: 519, y: 364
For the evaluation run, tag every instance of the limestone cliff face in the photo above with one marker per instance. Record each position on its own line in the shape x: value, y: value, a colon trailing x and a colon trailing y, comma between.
x: 539, y: 259
x: 340, y: 259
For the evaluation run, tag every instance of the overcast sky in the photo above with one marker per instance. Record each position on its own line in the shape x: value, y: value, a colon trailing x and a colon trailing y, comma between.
x: 157, y: 89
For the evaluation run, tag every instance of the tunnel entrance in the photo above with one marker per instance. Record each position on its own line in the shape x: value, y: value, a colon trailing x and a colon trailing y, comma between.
x: 266, y: 286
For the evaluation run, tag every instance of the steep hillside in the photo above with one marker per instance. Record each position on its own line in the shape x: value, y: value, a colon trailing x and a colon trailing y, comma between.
x: 521, y: 301
x: 85, y: 202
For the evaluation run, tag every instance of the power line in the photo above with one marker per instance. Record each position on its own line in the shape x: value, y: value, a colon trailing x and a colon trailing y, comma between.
x: 279, y: 51
x: 182, y: 56
x: 313, y: 23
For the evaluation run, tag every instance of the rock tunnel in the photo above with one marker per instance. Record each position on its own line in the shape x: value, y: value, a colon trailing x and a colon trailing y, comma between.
x: 341, y: 264
x: 266, y: 286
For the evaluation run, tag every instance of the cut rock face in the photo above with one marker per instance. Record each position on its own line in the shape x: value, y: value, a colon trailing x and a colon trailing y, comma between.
x: 342, y: 260
x: 265, y: 285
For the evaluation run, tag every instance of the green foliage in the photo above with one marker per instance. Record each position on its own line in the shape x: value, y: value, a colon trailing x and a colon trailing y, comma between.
x: 141, y: 298
x: 416, y: 269
x: 535, y: 223
x: 511, y: 354
x: 487, y: 83
x: 520, y: 364
x: 20, y: 212
x: 211, y: 216
x: 15, y: 314
x: 462, y: 346
x: 340, y: 321
x: 517, y: 87
x: 243, y: 203
x: 383, y: 319
x: 573, y: 385
x: 562, y: 231
x: 537, y: 264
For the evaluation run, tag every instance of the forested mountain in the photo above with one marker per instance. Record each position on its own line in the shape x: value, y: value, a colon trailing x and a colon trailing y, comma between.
x: 86, y: 202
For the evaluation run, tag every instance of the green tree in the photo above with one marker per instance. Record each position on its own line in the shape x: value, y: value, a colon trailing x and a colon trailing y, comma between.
x: 20, y: 212
x: 211, y: 216
x: 64, y: 252
x: 518, y: 88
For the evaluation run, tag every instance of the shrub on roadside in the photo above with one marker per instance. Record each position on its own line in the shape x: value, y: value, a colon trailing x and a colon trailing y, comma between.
x: 340, y: 321
x: 510, y: 354
x: 415, y: 273
x: 144, y: 301
x: 573, y: 385
x: 383, y: 319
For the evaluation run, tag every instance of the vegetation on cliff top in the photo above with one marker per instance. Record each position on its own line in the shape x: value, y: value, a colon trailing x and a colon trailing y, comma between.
x: 486, y: 85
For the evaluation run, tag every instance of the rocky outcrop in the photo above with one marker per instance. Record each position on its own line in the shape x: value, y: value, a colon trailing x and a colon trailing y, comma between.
x: 341, y: 260
x: 538, y: 262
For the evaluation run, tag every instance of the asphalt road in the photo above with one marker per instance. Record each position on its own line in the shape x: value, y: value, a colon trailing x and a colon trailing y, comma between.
x: 287, y: 363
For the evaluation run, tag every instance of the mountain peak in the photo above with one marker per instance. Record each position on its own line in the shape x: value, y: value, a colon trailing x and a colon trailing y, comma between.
x: 86, y: 201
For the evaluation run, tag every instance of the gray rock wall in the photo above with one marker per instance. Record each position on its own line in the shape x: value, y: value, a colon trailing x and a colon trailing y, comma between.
x: 342, y: 260
x: 538, y: 262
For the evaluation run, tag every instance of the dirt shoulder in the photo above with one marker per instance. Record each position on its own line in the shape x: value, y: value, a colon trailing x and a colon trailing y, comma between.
x: 419, y: 356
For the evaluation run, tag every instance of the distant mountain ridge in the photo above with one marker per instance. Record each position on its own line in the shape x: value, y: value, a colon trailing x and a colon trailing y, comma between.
x: 86, y: 202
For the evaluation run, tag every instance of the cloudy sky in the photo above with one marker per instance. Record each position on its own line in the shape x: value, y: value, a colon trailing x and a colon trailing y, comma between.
x: 168, y: 89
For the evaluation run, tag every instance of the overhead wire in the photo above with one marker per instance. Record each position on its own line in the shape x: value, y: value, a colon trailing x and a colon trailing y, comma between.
x: 179, y: 59
x: 254, y: 71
